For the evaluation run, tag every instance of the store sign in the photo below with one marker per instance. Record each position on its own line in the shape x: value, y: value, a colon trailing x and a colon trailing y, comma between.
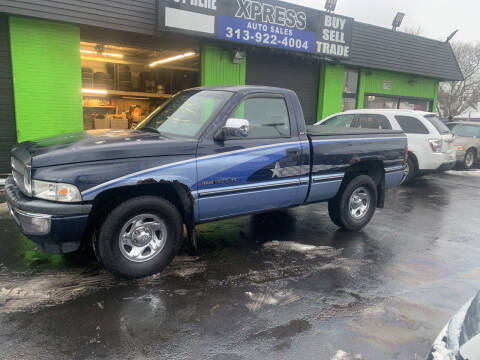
x: 264, y: 23
x: 387, y: 85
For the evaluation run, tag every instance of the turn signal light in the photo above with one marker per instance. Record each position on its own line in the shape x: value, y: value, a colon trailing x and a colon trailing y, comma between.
x: 460, y: 148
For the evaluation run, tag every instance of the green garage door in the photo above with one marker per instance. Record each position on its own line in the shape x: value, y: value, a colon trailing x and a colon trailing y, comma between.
x: 8, y: 135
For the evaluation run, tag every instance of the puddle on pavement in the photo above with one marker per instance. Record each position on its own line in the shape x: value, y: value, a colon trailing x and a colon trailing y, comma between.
x: 31, y: 290
x: 283, y: 331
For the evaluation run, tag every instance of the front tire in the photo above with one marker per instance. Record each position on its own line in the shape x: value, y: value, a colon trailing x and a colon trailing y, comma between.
x: 139, y: 237
x: 355, y: 205
x: 469, y: 159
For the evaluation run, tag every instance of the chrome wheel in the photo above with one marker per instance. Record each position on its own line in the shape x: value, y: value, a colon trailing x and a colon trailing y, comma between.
x: 469, y: 159
x: 359, y: 203
x: 142, y: 237
x: 406, y: 173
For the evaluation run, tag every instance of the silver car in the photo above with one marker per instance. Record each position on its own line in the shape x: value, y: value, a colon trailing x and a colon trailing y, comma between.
x: 467, y: 142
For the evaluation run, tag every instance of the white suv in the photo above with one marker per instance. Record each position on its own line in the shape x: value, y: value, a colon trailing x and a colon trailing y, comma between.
x: 430, y: 142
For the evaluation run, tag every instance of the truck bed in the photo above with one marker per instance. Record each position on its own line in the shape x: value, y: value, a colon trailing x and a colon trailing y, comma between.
x: 333, y: 131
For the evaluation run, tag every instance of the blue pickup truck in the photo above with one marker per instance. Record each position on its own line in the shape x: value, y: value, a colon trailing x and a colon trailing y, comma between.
x: 206, y: 154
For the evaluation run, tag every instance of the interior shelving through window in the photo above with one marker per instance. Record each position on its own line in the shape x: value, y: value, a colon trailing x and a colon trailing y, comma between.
x: 122, y: 85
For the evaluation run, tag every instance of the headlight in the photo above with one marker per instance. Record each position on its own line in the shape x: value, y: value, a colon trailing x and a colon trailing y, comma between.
x: 55, y: 191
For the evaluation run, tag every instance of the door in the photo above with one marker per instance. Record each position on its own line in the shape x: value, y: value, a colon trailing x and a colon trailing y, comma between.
x: 282, y: 71
x: 254, y: 173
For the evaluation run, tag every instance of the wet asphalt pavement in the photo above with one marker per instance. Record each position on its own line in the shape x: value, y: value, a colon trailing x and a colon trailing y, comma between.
x: 287, y: 285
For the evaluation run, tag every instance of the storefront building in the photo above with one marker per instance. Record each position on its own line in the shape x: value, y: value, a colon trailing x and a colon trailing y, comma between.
x: 72, y: 65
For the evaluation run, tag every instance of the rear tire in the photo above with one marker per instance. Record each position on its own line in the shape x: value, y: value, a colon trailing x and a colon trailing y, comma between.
x: 139, y: 237
x: 409, y: 172
x: 355, y: 205
x: 469, y: 159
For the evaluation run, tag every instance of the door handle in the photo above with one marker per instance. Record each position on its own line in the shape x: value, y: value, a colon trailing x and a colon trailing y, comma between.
x: 293, y: 152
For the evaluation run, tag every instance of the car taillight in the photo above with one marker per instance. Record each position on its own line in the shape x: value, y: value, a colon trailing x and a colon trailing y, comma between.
x: 436, y: 145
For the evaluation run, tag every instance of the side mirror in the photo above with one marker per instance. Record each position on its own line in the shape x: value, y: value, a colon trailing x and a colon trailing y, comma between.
x: 234, y: 128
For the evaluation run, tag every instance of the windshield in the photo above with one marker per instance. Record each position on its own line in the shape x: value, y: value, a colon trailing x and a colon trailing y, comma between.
x: 186, y: 113
x: 438, y: 124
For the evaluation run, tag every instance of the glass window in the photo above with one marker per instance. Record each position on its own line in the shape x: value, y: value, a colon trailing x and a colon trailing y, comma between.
x: 340, y: 121
x: 349, y: 103
x: 186, y: 113
x: 380, y: 102
x: 368, y: 121
x: 411, y: 125
x: 268, y: 117
x: 465, y: 130
x: 439, y: 125
x: 350, y: 81
x: 420, y: 105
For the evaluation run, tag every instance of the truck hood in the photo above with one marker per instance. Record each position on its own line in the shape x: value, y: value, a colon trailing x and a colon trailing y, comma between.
x: 97, y: 145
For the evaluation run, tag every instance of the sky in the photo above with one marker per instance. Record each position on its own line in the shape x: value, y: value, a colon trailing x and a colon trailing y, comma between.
x: 436, y: 18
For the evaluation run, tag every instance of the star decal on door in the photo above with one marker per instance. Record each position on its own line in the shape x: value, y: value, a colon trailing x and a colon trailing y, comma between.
x: 277, y: 171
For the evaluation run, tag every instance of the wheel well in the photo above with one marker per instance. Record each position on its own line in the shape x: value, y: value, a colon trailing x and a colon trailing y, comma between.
x: 178, y: 194
x: 474, y: 150
x: 373, y: 168
x: 414, y: 158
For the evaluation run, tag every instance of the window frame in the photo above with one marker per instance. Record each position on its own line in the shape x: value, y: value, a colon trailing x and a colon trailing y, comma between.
x: 398, y: 99
x: 262, y: 96
x: 349, y: 95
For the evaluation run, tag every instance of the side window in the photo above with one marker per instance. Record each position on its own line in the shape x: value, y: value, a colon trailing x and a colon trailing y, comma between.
x: 477, y: 132
x: 268, y: 117
x: 411, y: 125
x: 467, y: 130
x: 340, y: 120
x: 372, y: 121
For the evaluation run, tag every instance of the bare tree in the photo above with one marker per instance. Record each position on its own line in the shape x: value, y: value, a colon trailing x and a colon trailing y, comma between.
x: 455, y: 97
x: 414, y: 31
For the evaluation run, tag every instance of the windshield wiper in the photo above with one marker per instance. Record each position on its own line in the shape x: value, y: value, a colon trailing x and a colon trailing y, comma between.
x: 152, y: 130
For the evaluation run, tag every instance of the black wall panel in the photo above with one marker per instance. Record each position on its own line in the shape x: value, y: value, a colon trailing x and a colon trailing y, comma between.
x: 8, y: 135
x: 299, y: 75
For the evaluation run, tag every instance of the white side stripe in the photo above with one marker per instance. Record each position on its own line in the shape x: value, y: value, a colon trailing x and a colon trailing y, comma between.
x: 185, y: 162
x: 206, y: 157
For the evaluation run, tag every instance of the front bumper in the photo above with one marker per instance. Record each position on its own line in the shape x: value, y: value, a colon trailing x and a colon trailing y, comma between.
x: 54, y: 227
x: 461, y: 156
